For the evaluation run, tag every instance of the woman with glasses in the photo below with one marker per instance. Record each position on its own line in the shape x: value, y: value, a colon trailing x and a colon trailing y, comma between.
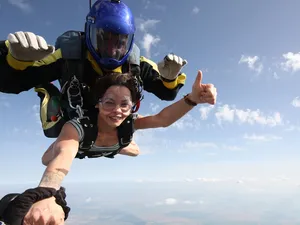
x: 117, y: 94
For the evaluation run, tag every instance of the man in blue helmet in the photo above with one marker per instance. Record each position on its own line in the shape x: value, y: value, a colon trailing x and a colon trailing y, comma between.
x: 27, y: 61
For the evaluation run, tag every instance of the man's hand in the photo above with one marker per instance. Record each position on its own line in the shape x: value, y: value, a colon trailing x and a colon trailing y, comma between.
x: 45, y: 212
x: 170, y: 66
x: 28, y: 47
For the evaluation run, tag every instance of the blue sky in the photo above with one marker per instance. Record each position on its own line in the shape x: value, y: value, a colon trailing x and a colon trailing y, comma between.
x: 248, y: 49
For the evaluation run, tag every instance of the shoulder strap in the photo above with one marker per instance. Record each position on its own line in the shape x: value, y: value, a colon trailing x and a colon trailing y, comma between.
x: 73, y: 50
x: 125, y: 131
x: 125, y: 134
x: 90, y: 130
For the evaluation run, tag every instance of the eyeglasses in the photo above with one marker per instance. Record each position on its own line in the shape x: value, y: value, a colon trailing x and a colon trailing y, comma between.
x: 110, y: 105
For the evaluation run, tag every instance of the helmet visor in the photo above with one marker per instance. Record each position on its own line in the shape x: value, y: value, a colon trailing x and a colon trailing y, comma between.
x: 108, y: 44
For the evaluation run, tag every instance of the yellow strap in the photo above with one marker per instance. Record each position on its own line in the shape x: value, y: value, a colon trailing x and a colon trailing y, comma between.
x: 97, y: 68
x: 173, y: 84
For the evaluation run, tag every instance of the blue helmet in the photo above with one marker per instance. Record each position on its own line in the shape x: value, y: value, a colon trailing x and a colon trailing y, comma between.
x: 110, y: 32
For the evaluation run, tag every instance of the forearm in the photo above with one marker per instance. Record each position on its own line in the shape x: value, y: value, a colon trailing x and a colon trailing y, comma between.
x: 174, y: 112
x: 131, y: 150
x: 56, y: 170
x: 48, y: 155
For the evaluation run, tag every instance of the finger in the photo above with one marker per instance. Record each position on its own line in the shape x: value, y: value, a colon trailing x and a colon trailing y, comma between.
x: 177, y: 59
x: 57, y: 219
x: 209, y: 85
x: 210, y: 100
x: 199, y: 77
x: 22, y: 39
x: 51, y: 49
x: 51, y: 221
x: 32, y: 40
x: 184, y: 62
x: 169, y: 57
x: 42, y: 43
x: 12, y: 38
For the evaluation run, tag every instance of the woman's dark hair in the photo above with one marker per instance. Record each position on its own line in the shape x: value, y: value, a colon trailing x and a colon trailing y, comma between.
x: 121, y: 79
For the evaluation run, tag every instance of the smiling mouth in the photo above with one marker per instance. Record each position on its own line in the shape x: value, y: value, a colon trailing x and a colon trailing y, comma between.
x: 115, y: 118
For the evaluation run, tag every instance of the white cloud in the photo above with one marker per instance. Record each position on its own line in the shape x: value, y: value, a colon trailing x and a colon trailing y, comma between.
x: 89, y: 199
x: 149, y: 4
x: 185, y: 122
x: 148, y: 41
x: 254, y: 137
x: 275, y: 76
x: 21, y: 4
x: 36, y: 111
x: 154, y: 107
x: 292, y: 128
x: 292, y: 61
x: 189, y: 202
x: 204, y: 111
x: 296, y: 102
x: 187, y: 146
x: 170, y: 201
x: 226, y: 113
x: 232, y: 147
x: 199, y: 145
x: 195, y: 10
x: 210, y: 180
x: 145, y: 25
x: 252, y: 62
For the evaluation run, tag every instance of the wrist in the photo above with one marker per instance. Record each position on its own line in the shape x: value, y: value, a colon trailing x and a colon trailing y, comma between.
x: 188, y: 99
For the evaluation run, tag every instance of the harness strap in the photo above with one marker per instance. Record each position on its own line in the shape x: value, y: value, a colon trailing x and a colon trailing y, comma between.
x: 125, y: 133
x: 90, y: 133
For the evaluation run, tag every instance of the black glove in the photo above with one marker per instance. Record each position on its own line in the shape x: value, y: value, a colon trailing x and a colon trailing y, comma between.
x: 18, y: 208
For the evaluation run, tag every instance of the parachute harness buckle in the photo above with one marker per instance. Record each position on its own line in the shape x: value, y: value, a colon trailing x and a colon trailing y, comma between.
x: 75, y: 97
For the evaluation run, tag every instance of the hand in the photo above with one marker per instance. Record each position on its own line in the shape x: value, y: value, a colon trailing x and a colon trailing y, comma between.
x: 170, y: 66
x: 203, y: 93
x: 45, y: 212
x: 26, y: 46
x: 131, y: 150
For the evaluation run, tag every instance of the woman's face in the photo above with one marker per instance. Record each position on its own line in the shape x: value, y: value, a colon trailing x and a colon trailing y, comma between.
x: 115, y: 105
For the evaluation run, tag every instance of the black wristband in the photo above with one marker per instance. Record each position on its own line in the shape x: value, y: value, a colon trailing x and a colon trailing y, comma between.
x: 60, y: 197
x: 188, y: 101
x: 18, y: 207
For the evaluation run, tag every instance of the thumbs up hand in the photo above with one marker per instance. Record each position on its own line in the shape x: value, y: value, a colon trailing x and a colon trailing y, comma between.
x: 203, y: 93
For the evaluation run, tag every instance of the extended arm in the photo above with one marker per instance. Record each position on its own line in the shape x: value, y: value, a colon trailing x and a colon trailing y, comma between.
x: 64, y: 150
x: 164, y: 118
x: 201, y: 93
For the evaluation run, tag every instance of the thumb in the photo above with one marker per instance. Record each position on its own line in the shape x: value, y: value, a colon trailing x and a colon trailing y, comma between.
x: 199, y: 77
x: 51, y: 49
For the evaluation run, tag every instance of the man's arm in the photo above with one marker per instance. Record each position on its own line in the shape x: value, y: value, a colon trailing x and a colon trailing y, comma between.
x: 17, y: 76
x: 154, y: 83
